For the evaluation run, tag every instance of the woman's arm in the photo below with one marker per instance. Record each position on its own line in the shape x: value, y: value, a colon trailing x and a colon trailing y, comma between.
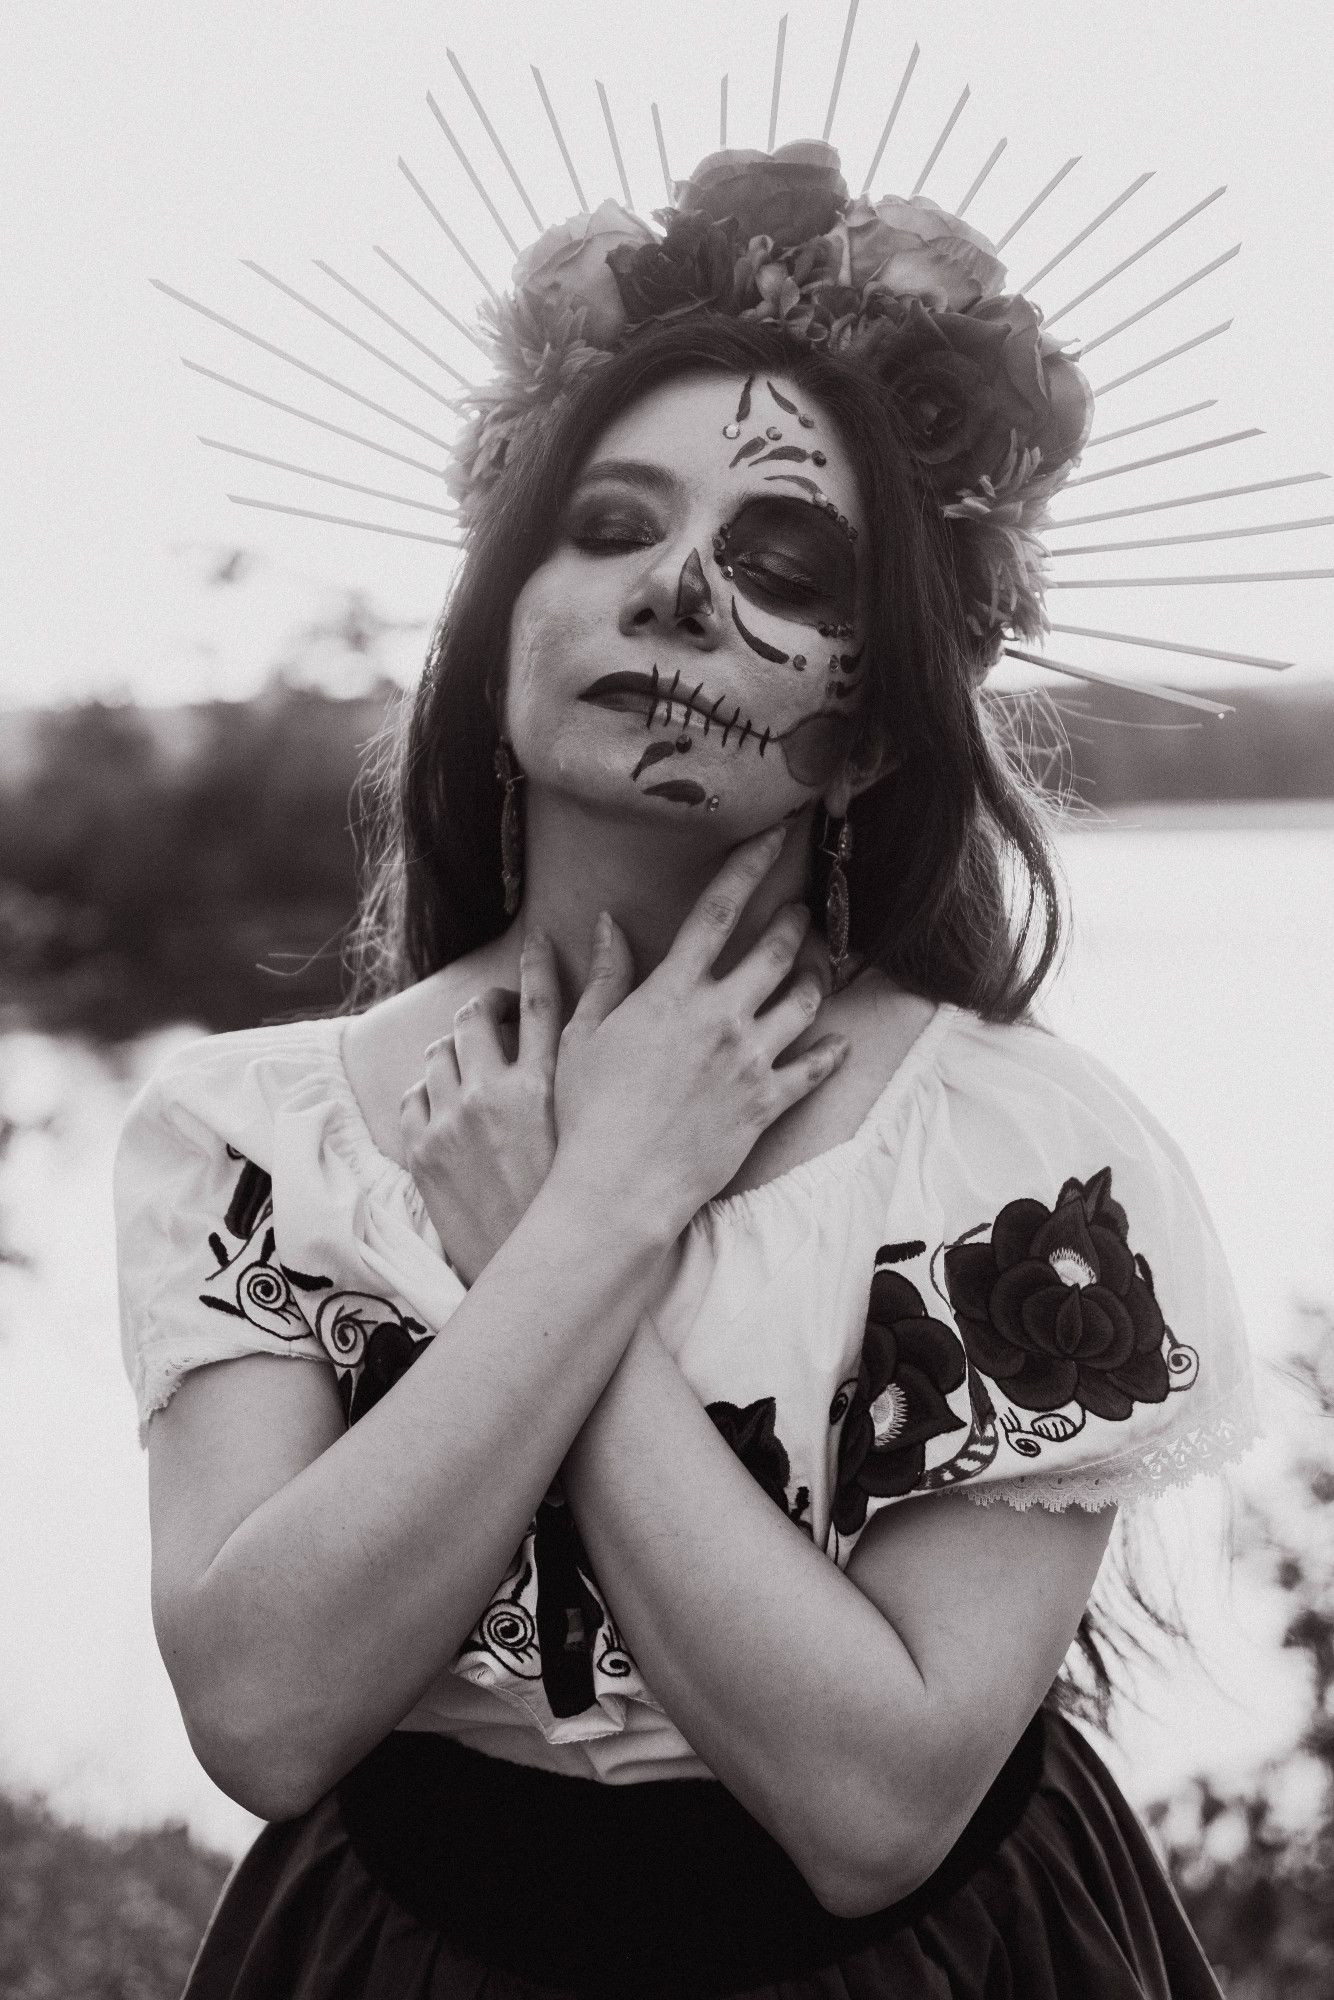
x: 859, y: 1717
x: 309, y: 1583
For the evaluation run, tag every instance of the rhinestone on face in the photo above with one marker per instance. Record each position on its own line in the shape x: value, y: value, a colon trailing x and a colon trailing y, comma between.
x: 818, y: 458
x: 798, y: 661
x: 773, y: 433
x: 731, y: 430
x: 807, y: 423
x: 711, y: 805
x: 726, y: 570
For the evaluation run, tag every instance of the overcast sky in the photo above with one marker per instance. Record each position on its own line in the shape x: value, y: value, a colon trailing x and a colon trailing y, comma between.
x: 171, y: 138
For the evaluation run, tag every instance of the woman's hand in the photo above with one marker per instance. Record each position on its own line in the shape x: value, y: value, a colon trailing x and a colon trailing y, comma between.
x: 661, y: 1093
x: 478, y: 1131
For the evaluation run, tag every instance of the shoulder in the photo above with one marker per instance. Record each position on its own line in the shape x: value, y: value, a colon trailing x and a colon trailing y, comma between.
x: 228, y: 1088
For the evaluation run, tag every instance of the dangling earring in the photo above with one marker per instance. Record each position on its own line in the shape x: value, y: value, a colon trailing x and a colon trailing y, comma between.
x: 511, y: 827
x: 837, y: 845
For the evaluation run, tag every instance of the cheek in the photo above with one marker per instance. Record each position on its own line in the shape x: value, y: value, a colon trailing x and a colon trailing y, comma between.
x: 545, y: 627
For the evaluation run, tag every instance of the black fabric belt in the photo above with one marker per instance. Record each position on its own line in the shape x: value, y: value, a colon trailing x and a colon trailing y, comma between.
x: 658, y: 1888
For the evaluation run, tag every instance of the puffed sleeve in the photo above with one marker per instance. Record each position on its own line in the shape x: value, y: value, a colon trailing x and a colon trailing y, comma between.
x: 1050, y: 1317
x: 200, y: 1278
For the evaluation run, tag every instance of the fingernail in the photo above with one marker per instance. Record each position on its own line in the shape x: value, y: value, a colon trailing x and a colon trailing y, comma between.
x: 602, y: 931
x: 534, y: 941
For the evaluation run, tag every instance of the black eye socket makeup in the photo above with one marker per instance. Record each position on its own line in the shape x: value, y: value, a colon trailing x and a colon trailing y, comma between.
x: 791, y: 559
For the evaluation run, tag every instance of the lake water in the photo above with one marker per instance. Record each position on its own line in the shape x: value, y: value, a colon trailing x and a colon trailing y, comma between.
x: 1202, y: 970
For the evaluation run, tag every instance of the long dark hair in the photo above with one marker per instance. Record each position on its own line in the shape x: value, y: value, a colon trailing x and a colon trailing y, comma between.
x: 953, y: 887
x: 953, y: 884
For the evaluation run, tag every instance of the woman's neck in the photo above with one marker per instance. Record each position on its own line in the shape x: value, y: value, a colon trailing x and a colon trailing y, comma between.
x: 578, y: 862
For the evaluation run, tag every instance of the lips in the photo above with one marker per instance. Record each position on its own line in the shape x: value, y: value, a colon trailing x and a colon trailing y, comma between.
x: 635, y: 694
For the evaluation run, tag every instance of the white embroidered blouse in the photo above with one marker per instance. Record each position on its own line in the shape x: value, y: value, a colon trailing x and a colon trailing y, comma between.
x: 1006, y: 1281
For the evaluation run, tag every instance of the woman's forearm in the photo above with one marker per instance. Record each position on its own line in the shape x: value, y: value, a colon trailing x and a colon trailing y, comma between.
x: 785, y: 1679
x: 327, y: 1611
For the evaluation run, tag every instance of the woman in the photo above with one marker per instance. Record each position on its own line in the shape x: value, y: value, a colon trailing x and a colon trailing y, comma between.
x: 706, y: 1239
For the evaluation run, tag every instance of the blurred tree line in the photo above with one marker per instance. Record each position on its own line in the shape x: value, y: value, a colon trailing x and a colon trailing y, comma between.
x: 199, y: 863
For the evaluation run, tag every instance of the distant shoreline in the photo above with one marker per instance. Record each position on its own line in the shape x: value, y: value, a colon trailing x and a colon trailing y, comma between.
x: 1202, y: 816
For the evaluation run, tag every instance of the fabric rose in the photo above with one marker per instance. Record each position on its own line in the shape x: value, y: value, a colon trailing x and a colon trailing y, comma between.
x: 750, y: 1433
x: 694, y: 265
x: 909, y: 1364
x: 915, y: 250
x: 1058, y: 1309
x: 980, y: 390
x: 568, y: 266
x: 791, y: 195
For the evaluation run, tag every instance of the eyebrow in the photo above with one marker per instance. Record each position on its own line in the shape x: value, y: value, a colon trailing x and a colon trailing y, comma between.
x: 634, y: 471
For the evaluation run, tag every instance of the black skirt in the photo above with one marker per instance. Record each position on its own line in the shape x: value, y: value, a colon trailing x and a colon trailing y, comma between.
x: 434, y: 1873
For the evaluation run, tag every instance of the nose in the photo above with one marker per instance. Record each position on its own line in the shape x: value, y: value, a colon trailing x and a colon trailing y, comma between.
x: 671, y: 595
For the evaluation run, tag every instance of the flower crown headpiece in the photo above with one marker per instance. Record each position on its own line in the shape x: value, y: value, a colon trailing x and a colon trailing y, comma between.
x: 994, y: 406
x: 995, y: 410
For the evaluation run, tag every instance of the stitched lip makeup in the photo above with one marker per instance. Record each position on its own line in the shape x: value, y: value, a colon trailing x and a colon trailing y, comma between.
x: 655, y: 698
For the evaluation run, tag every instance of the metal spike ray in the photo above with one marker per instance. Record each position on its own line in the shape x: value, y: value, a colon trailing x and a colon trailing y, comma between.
x: 722, y: 111
x: 471, y: 172
x: 388, y: 319
x: 1173, y: 646
x: 342, y: 521
x: 559, y: 136
x: 662, y: 150
x: 894, y: 111
x: 1205, y: 271
x: 271, y: 347
x: 450, y: 236
x: 1154, y: 582
x: 494, y: 137
x: 1163, y: 457
x: 308, y: 417
x: 431, y: 300
x: 1152, y: 423
x: 328, y: 478
x: 939, y: 146
x: 615, y: 143
x: 1189, y: 500
x: 1190, y: 541
x: 1084, y: 234
x: 1153, y: 689
x: 1027, y: 214
x: 1135, y: 256
x: 976, y: 188
x: 330, y: 319
x: 1159, y: 360
x: 848, y: 26
x: 778, y: 81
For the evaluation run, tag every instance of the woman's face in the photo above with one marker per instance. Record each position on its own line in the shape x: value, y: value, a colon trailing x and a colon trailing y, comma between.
x: 691, y: 647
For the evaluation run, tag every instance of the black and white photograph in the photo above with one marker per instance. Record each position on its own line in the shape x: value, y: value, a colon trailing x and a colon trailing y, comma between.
x: 667, y: 1001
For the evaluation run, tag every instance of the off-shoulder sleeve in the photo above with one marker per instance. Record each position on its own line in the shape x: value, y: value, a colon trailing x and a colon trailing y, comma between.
x: 200, y: 1277
x: 1050, y: 1319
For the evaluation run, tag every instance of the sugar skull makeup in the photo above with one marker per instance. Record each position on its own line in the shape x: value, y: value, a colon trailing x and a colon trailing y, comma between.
x: 717, y: 524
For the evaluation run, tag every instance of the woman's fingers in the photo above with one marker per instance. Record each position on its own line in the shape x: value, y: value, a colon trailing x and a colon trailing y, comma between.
x: 539, y: 1003
x: 610, y: 976
x: 716, y: 914
x: 804, y: 1073
x: 478, y: 1048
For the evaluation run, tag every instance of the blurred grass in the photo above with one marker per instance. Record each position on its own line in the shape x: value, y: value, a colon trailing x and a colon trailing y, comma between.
x: 85, y: 1916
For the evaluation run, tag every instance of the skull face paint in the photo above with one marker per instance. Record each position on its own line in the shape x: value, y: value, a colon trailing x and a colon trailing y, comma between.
x: 709, y: 608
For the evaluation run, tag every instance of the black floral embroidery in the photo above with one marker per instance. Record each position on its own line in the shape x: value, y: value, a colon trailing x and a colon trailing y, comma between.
x: 387, y: 1351
x: 249, y: 1282
x: 751, y: 1434
x: 909, y: 1364
x: 1058, y: 1309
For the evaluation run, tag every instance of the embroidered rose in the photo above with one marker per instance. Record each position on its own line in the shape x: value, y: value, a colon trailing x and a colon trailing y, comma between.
x: 979, y: 390
x: 909, y: 1364
x: 751, y: 1434
x: 388, y: 1351
x: 567, y: 266
x: 692, y: 266
x: 914, y: 250
x: 1058, y: 1309
x: 789, y: 195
